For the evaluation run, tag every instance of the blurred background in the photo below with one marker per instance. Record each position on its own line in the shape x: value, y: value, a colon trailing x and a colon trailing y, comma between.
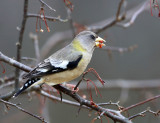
x: 141, y: 64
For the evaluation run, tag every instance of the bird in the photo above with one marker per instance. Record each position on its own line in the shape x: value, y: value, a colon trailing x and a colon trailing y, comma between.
x: 66, y: 64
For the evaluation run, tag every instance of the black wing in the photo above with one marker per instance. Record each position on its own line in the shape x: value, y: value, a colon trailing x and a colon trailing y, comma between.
x: 52, y: 66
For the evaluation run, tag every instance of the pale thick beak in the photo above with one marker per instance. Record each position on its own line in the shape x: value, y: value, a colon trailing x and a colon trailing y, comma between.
x: 99, y: 42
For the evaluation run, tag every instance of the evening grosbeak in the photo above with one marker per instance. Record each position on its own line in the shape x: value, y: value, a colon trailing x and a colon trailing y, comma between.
x: 66, y: 64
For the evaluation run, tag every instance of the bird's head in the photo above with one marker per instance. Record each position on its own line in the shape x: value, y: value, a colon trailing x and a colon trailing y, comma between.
x: 88, y: 40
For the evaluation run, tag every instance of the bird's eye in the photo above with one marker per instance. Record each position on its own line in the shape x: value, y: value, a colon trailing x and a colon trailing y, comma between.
x: 93, y: 37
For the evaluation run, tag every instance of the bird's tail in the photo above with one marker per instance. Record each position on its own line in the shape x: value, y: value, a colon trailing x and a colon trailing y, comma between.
x: 28, y: 83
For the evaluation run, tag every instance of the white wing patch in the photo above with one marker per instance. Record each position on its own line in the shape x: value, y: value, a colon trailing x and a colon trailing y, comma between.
x: 54, y: 63
x: 59, y: 64
x: 42, y: 70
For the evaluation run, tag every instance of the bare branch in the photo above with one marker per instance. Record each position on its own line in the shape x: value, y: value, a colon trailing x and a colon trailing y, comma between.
x: 102, y: 26
x: 23, y: 110
x: 19, y: 44
x: 142, y: 114
x: 6, y: 84
x: 140, y: 103
x: 119, y: 9
x: 14, y: 63
x: 52, y: 97
x: 134, y: 13
x: 111, y: 103
x: 47, y: 17
x: 69, y: 12
x: 47, y: 5
x: 118, y: 117
x: 8, y: 95
x: 34, y: 37
x: 28, y: 59
x: 6, y: 78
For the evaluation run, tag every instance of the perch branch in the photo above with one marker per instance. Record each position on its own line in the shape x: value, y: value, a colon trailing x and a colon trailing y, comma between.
x: 110, y: 113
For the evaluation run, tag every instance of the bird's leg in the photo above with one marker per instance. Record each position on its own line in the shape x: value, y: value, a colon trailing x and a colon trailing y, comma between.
x: 75, y: 88
x: 72, y: 86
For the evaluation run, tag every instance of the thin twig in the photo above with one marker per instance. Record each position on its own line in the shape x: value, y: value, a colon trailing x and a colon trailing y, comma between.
x: 142, y: 114
x: 111, y: 103
x: 135, y: 13
x: 118, y: 18
x: 19, y: 44
x: 140, y: 103
x: 34, y: 37
x: 6, y: 78
x: 28, y: 59
x: 52, y: 97
x: 69, y: 12
x: 47, y: 17
x: 119, y: 9
x: 6, y: 84
x: 23, y: 110
x: 8, y: 95
x: 47, y: 5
